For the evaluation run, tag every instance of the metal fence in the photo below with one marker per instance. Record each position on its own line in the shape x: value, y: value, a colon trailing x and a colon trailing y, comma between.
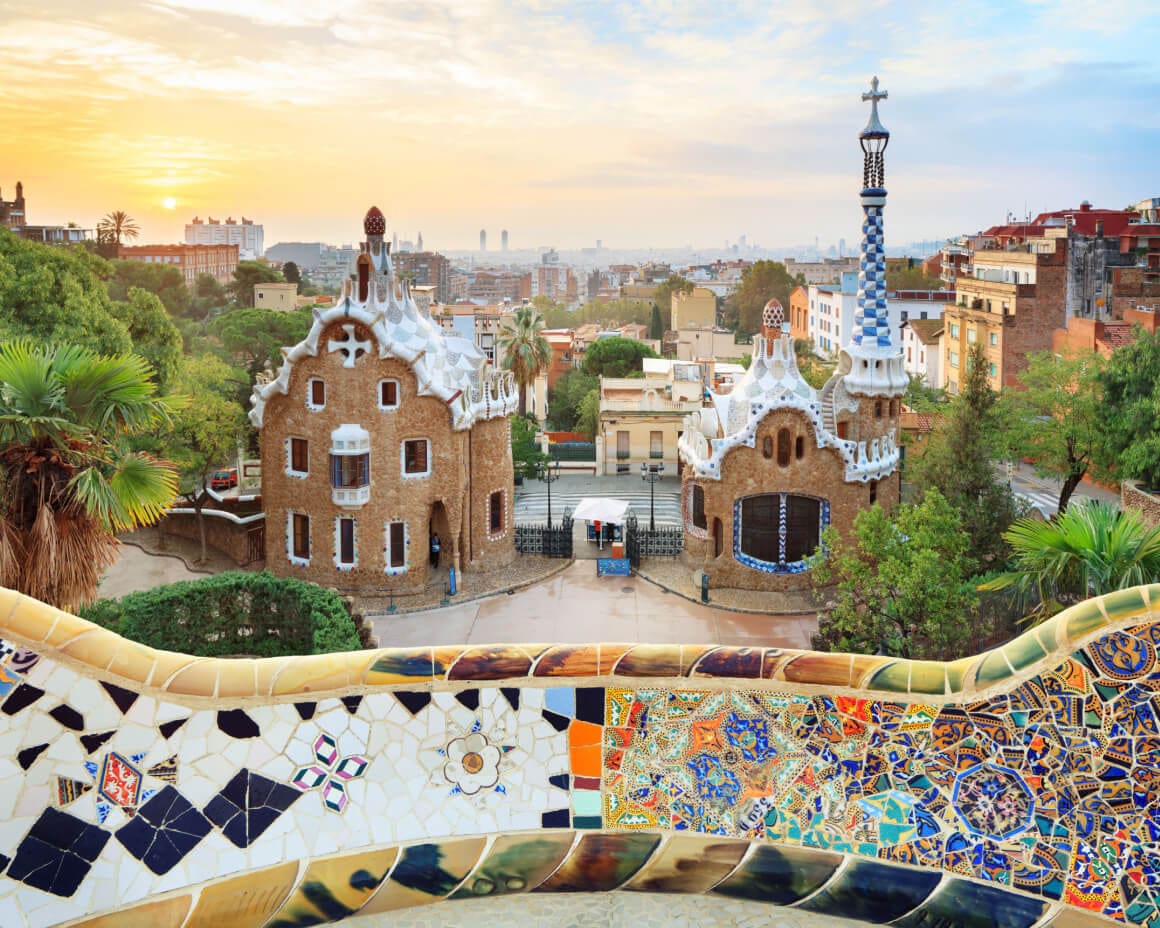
x: 573, y: 451
x: 641, y: 542
x: 546, y: 540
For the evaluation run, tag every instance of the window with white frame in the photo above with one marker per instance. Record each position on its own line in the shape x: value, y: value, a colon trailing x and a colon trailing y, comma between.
x: 994, y: 339
x: 297, y: 457
x: 388, y: 394
x: 395, y: 545
x: 316, y: 393
x: 416, y: 457
x: 345, y: 542
x: 954, y: 359
x: 298, y: 538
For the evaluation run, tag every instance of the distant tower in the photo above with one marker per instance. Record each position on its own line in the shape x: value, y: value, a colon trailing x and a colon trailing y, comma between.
x: 483, y: 239
x: 841, y: 248
x: 395, y: 243
x: 503, y: 240
x: 420, y: 248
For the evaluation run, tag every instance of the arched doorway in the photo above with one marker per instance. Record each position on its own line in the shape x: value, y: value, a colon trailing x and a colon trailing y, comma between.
x: 439, y: 524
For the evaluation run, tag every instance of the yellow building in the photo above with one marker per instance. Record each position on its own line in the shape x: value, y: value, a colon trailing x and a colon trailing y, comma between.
x: 697, y: 308
x: 282, y: 297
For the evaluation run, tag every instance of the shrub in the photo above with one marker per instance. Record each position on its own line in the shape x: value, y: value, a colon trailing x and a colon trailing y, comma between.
x: 255, y: 614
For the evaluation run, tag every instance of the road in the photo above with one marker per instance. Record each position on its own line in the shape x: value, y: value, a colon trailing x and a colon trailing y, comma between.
x: 1043, y: 492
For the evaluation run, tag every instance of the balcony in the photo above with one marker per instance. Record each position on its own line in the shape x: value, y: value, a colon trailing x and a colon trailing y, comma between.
x: 351, y: 497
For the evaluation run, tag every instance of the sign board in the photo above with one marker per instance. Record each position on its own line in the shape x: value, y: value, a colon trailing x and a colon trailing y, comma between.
x: 613, y: 567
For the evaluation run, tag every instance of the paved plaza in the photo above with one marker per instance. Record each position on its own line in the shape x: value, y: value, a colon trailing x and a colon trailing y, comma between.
x: 575, y: 606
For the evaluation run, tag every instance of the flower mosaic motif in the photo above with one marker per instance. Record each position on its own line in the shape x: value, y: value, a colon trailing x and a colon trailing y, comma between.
x: 472, y: 764
x: 120, y: 781
x: 331, y: 772
x: 993, y: 801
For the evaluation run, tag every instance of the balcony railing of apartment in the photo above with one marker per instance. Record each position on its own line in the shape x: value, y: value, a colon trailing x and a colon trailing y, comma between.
x: 650, y: 405
x: 656, y: 455
x: 622, y: 455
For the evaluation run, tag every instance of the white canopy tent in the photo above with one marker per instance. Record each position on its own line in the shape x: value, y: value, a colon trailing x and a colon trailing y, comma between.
x: 601, y: 509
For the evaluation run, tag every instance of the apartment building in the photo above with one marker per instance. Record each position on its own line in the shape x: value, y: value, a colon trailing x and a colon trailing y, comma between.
x: 219, y: 261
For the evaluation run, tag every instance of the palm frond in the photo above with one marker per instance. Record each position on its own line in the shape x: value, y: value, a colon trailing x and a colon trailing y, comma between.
x: 137, y: 492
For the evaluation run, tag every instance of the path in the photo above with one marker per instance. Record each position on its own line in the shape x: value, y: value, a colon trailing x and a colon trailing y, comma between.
x: 135, y: 570
x: 577, y: 607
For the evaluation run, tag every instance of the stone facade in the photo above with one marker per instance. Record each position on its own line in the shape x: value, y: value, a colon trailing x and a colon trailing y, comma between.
x: 380, y: 418
x: 1133, y: 496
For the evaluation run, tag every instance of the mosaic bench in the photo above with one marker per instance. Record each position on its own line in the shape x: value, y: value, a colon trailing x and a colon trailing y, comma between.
x: 145, y: 788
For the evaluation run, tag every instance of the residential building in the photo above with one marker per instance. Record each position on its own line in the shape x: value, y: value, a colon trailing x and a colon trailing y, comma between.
x: 1011, y: 304
x: 641, y: 419
x: 561, y: 343
x: 832, y: 310
x: 219, y: 261
x: 480, y: 325
x: 768, y: 465
x: 695, y: 309
x: 555, y: 281
x: 335, y: 265
x: 826, y: 271
x: 1082, y: 336
x: 799, y: 313
x: 916, y: 429
x: 379, y: 432
x: 14, y: 215
x: 279, y: 296
x: 247, y: 235
x: 708, y: 344
x: 922, y: 350
x: 494, y: 286
x: 426, y: 268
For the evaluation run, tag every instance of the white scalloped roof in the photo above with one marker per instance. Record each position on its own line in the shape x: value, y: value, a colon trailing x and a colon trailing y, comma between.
x: 449, y: 368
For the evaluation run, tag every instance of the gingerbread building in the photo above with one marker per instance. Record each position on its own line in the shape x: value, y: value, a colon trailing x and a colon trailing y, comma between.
x: 771, y: 463
x: 379, y: 431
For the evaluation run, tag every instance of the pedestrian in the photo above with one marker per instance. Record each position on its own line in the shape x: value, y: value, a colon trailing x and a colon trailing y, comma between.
x: 435, y: 546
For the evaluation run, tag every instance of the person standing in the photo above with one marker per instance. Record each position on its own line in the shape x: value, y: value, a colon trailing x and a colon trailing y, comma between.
x: 435, y: 548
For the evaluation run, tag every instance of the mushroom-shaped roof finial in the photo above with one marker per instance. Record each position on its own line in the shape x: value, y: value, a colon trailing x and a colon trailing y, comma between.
x: 375, y: 222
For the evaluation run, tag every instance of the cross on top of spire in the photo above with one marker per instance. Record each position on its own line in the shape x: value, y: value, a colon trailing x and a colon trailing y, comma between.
x: 874, y: 127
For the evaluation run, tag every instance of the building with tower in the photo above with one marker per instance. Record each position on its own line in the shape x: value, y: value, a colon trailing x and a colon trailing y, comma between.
x: 769, y: 464
x: 378, y: 432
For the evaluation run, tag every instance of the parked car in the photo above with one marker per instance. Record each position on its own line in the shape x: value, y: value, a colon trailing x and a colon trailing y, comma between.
x: 224, y: 479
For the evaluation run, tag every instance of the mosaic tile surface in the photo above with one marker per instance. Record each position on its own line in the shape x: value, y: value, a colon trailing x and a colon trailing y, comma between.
x: 1023, y: 783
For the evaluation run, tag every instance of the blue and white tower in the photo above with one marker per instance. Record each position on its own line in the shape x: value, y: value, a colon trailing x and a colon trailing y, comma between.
x: 875, y: 363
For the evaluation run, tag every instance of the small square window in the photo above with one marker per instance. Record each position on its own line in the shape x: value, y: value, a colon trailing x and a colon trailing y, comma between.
x: 316, y: 393
x: 388, y: 394
x: 416, y: 458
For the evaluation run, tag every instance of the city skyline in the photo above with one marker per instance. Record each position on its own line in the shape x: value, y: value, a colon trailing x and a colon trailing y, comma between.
x: 638, y: 124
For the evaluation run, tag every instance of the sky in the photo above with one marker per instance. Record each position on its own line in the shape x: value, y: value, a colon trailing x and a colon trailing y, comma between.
x: 645, y: 123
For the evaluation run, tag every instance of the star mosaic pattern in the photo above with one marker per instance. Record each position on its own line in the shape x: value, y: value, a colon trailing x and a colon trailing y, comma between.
x: 1025, y: 782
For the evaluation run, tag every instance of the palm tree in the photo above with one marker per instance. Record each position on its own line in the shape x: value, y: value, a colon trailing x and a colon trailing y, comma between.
x: 67, y: 481
x: 525, y: 350
x: 117, y: 225
x: 1090, y: 549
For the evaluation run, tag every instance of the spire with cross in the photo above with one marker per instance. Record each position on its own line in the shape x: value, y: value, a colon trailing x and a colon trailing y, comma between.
x: 870, y: 319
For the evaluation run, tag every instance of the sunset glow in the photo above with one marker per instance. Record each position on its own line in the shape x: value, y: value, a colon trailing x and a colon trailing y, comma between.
x: 638, y: 123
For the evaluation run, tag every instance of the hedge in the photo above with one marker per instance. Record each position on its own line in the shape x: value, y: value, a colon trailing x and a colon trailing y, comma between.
x: 231, y: 614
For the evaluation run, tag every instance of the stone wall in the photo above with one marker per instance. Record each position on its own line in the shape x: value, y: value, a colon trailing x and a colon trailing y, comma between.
x: 225, y: 535
x: 435, y: 502
x: 140, y: 787
x: 1134, y: 496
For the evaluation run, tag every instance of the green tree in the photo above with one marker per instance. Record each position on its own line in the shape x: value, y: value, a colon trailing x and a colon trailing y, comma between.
x: 117, y: 226
x: 155, y: 337
x: 524, y: 350
x: 57, y: 295
x: 588, y: 417
x: 165, y: 281
x: 656, y: 325
x: 1058, y: 419
x: 292, y: 274
x: 911, y: 278
x: 814, y: 370
x: 958, y: 462
x: 1090, y: 549
x: 247, y: 276
x: 526, y: 454
x: 902, y: 583
x: 209, y: 295
x: 67, y: 481
x: 663, y: 299
x: 921, y: 398
x: 1131, y: 410
x: 255, y: 337
x: 207, y: 434
x: 616, y: 357
x: 564, y: 399
x: 760, y: 282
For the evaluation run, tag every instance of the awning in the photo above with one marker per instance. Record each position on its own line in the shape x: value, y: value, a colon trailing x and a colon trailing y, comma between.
x: 600, y: 509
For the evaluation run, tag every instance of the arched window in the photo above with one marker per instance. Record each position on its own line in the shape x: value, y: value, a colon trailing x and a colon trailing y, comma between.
x: 783, y: 443
x: 364, y: 277
x: 767, y: 447
x: 799, y: 447
x: 762, y: 518
x: 873, y: 492
x: 893, y: 408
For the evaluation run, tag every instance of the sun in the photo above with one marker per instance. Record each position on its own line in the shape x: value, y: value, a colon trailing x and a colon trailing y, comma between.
x: 169, y: 202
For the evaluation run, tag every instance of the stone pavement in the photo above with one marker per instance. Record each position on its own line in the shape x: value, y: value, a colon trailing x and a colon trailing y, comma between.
x: 672, y: 574
x: 575, y: 606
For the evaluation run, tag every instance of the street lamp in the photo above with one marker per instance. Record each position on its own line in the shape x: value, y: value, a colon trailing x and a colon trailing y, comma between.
x: 652, y: 475
x: 549, y: 473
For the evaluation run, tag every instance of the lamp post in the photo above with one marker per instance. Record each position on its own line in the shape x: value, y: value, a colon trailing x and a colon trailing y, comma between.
x: 652, y: 475
x: 550, y: 473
